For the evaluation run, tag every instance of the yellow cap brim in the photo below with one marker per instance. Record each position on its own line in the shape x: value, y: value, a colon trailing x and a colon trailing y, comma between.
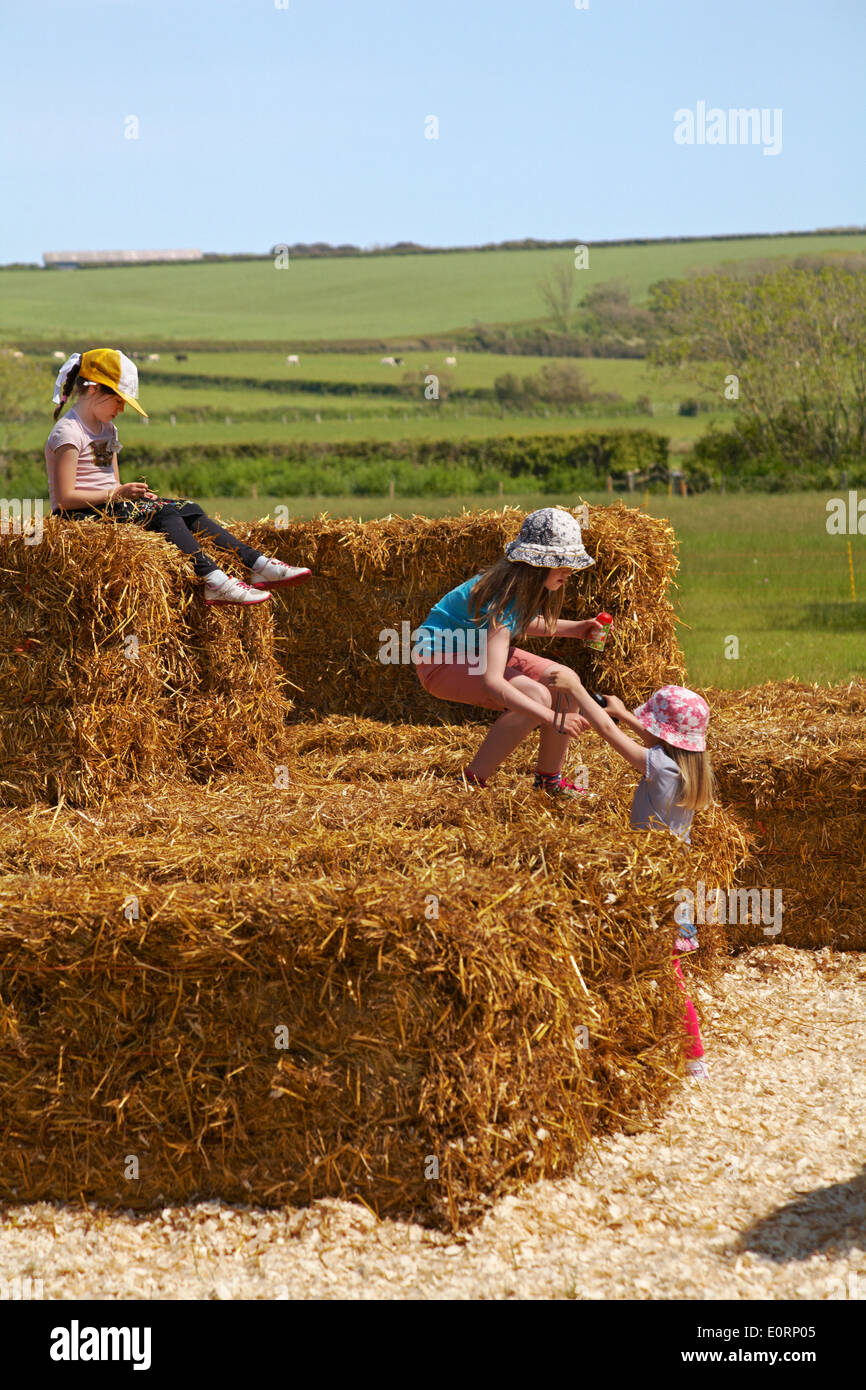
x: 98, y: 375
x: 129, y: 400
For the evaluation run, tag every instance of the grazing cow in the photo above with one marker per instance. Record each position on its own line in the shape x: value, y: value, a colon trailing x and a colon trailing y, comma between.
x: 293, y: 359
x: 180, y: 357
x: 388, y: 362
x: 153, y: 357
x: 450, y: 361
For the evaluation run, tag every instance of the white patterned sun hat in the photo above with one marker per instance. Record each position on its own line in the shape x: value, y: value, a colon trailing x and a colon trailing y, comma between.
x: 550, y: 539
x: 678, y: 716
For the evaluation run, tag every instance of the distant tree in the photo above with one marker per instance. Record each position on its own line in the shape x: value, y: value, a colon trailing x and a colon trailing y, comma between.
x: 508, y: 389
x: 558, y: 383
x: 609, y: 311
x: 557, y: 291
x: 788, y: 351
x: 562, y: 383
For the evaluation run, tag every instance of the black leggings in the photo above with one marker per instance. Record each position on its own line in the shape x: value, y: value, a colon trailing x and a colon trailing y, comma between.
x: 179, y: 522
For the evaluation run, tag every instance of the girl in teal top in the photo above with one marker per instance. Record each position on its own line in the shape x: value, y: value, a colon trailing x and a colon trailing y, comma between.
x: 466, y: 648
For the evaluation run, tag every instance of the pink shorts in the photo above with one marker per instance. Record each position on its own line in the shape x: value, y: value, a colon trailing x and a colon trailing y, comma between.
x: 455, y: 680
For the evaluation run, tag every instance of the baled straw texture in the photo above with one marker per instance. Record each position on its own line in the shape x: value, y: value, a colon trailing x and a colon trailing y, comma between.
x: 791, y: 761
x: 433, y: 954
x: 378, y: 575
x: 114, y: 671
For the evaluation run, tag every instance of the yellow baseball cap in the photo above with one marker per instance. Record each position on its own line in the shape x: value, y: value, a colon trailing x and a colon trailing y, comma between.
x: 111, y: 368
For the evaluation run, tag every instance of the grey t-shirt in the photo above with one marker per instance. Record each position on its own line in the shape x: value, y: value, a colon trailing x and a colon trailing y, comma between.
x: 654, y: 806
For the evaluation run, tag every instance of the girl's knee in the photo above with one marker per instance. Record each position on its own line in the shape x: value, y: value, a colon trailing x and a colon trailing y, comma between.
x: 534, y: 689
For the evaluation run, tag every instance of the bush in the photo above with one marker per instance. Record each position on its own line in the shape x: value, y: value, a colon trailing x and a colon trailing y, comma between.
x: 561, y: 383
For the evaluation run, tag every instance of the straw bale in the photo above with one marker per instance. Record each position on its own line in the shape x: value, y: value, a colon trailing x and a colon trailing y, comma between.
x: 380, y: 574
x: 83, y: 709
x: 791, y: 760
x: 411, y: 1036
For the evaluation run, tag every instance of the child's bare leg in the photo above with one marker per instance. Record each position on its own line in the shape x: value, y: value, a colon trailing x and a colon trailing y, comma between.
x: 552, y: 746
x: 510, y: 729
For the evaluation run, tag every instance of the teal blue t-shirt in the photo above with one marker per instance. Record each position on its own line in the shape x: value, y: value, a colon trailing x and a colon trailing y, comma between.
x: 451, y: 614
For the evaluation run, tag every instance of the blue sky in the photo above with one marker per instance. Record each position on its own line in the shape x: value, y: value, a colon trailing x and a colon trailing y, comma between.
x: 259, y: 125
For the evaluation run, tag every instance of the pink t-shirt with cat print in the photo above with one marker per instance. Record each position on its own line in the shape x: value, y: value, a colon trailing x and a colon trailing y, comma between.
x: 95, y: 450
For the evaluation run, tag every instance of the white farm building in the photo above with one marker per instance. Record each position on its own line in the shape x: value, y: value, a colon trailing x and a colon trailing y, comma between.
x: 69, y: 260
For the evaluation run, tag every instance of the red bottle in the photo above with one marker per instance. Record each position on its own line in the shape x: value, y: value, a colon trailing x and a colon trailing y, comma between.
x: 596, y: 644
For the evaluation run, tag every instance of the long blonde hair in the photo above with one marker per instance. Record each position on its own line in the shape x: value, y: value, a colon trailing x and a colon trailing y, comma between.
x: 517, y: 585
x: 699, y: 781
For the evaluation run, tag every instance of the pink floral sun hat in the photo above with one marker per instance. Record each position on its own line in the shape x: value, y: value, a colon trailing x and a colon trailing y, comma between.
x: 678, y: 716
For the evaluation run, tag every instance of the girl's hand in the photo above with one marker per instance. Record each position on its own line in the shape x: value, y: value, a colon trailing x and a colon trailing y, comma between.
x: 614, y: 707
x: 561, y: 678
x: 131, y: 491
x: 572, y: 724
x: 557, y: 678
x: 588, y: 628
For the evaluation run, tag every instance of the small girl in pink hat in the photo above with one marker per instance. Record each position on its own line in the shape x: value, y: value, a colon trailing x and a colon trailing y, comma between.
x: 677, y: 780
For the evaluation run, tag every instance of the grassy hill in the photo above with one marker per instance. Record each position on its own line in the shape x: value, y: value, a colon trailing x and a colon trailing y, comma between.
x: 382, y: 297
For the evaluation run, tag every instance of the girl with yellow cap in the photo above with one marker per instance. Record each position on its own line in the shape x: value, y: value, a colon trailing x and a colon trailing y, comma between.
x: 84, y: 480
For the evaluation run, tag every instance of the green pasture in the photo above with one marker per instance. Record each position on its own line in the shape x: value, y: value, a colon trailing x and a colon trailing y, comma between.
x: 257, y: 414
x: 385, y: 297
x: 759, y: 569
x: 368, y: 418
x: 631, y: 377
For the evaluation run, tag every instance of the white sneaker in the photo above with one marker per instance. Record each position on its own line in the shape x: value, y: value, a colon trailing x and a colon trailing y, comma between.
x: 273, y: 574
x: 224, y: 589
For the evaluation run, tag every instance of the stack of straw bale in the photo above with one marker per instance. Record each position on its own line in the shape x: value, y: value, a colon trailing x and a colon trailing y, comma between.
x: 433, y: 955
x: 378, y: 575
x: 115, y: 672
x: 791, y: 760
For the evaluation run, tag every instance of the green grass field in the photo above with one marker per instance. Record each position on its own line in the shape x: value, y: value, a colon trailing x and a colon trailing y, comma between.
x: 331, y: 299
x: 630, y: 376
x: 353, y: 419
x: 761, y: 569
